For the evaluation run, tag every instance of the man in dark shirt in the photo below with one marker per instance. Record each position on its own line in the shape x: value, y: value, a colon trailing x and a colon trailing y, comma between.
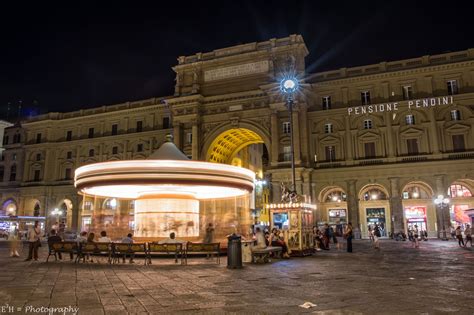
x: 54, y: 238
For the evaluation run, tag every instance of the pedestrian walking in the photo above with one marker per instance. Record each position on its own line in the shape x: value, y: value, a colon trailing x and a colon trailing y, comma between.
x: 371, y: 233
x: 458, y: 233
x: 13, y: 239
x: 376, y: 236
x: 468, y: 234
x: 34, y: 241
x: 348, y: 234
x: 416, y: 233
x: 209, y: 236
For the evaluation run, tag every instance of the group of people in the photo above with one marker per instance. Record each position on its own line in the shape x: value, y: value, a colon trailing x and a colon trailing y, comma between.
x: 375, y: 233
x: 324, y: 236
x: 467, y: 233
x: 275, y: 238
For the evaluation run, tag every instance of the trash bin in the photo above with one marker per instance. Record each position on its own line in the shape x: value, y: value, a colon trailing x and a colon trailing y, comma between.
x: 234, y: 251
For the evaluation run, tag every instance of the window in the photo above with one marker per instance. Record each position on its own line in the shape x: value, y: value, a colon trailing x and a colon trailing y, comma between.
x: 88, y: 205
x: 369, y: 148
x: 139, y: 126
x: 367, y: 124
x: 114, y: 129
x: 407, y: 92
x: 287, y: 153
x: 91, y: 133
x: 326, y: 102
x: 16, y: 138
x: 2, y: 173
x: 36, y: 177
x: 69, y: 155
x: 456, y: 191
x: 140, y: 147
x: 328, y: 128
x: 410, y: 119
x: 189, y: 137
x: 69, y: 135
x: 455, y: 114
x: 412, y: 146
x: 14, y: 157
x: 38, y: 156
x: 5, y: 140
x: 166, y: 122
x: 38, y: 138
x: 68, y: 173
x: 458, y: 143
x: 110, y: 204
x: 365, y: 97
x: 91, y: 152
x: 114, y: 150
x: 330, y: 151
x: 286, y: 127
x: 452, y: 87
x: 13, y: 173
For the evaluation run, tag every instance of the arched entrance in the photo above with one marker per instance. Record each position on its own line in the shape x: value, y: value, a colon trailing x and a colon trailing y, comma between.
x: 461, y: 193
x: 418, y: 207
x: 333, y: 200
x: 374, y: 209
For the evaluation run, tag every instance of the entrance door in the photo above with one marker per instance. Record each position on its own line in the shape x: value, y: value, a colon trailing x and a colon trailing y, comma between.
x: 416, y: 215
x: 377, y: 216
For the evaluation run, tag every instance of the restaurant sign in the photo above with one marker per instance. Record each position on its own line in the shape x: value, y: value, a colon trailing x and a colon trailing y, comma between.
x: 393, y: 106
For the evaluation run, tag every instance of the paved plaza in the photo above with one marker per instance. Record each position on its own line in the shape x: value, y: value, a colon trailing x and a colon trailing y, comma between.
x: 397, y: 279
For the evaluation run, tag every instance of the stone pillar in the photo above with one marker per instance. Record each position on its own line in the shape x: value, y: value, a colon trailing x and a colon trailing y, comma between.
x: 275, y: 140
x: 304, y: 135
x: 177, y: 134
x: 396, y: 207
x: 433, y: 132
x: 296, y: 136
x: 388, y: 123
x: 353, y: 203
x: 349, y: 154
x: 276, y: 191
x: 195, y: 140
x: 76, y: 210
x: 442, y: 212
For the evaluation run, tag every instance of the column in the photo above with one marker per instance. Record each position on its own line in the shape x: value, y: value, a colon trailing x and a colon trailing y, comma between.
x: 275, y: 140
x: 304, y: 135
x: 433, y: 132
x: 75, y: 212
x: 177, y: 134
x: 195, y: 140
x: 353, y: 203
x: 276, y: 191
x: 349, y: 154
x: 396, y: 206
x: 442, y: 212
x: 296, y: 136
x: 389, y: 131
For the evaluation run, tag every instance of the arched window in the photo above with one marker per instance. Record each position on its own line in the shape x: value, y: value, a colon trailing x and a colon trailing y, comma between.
x: 415, y: 192
x: 459, y: 191
x: 91, y: 152
x: 336, y: 195
x: 374, y: 194
x: 36, y: 210
x: 9, y: 207
x: 110, y: 204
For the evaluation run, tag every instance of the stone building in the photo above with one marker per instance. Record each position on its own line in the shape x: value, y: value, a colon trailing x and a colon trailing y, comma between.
x: 373, y: 144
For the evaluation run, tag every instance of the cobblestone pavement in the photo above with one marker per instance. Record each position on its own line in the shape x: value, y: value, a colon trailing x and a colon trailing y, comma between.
x: 397, y: 279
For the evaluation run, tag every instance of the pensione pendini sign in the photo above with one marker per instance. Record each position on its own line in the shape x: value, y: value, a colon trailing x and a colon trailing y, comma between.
x: 390, y: 107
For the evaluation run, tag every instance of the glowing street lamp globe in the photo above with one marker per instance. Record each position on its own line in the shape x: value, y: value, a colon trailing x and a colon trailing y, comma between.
x: 289, y: 85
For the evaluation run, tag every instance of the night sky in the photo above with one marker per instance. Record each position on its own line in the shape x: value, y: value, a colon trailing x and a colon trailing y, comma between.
x: 63, y: 58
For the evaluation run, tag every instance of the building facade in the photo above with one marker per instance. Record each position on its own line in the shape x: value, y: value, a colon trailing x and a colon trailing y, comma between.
x: 373, y: 144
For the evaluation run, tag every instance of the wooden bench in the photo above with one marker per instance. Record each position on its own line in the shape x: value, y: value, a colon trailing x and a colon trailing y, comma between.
x: 96, y: 248
x: 66, y: 247
x: 121, y: 250
x: 263, y: 254
x: 176, y: 249
x: 212, y: 249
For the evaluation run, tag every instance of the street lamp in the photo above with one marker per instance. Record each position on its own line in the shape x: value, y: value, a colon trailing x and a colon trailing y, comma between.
x: 442, y: 202
x: 289, y: 86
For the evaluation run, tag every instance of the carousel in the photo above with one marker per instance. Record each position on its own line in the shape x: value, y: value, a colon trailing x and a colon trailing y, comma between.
x: 169, y: 193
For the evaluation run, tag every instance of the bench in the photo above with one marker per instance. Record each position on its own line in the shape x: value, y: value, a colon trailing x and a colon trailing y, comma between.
x: 210, y: 249
x: 121, y: 250
x: 57, y: 248
x: 263, y: 254
x: 97, y: 248
x: 176, y: 249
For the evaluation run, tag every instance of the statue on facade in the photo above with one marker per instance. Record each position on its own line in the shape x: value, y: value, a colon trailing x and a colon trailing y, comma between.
x: 288, y: 195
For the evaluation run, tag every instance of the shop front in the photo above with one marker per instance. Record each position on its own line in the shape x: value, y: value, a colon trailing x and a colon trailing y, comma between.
x: 416, y: 215
x: 377, y: 216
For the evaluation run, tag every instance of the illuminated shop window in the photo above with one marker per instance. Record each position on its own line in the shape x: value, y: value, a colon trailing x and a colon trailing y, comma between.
x: 459, y: 191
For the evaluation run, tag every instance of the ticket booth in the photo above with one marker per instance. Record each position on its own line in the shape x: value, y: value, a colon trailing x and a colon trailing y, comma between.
x: 296, y: 220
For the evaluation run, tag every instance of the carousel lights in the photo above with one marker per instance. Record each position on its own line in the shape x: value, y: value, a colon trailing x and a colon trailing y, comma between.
x: 290, y: 205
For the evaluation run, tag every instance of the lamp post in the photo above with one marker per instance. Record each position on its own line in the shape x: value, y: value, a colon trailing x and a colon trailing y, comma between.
x: 289, y: 86
x: 442, y: 202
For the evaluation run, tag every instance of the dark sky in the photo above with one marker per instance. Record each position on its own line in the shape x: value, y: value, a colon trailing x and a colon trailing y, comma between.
x: 63, y: 58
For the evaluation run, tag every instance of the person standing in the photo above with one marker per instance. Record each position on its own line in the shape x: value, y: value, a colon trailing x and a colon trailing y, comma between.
x: 34, y: 241
x: 13, y: 239
x: 415, y: 236
x: 349, y: 234
x: 371, y: 234
x: 376, y: 235
x: 458, y: 233
x: 209, y: 236
x: 468, y: 234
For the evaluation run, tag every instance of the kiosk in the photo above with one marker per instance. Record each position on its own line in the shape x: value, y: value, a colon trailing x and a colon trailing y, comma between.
x: 296, y: 220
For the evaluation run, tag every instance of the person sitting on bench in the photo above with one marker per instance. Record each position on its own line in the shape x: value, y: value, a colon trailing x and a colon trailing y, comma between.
x: 171, y: 240
x: 260, y: 238
x: 128, y: 240
x: 275, y: 240
x: 54, y: 238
